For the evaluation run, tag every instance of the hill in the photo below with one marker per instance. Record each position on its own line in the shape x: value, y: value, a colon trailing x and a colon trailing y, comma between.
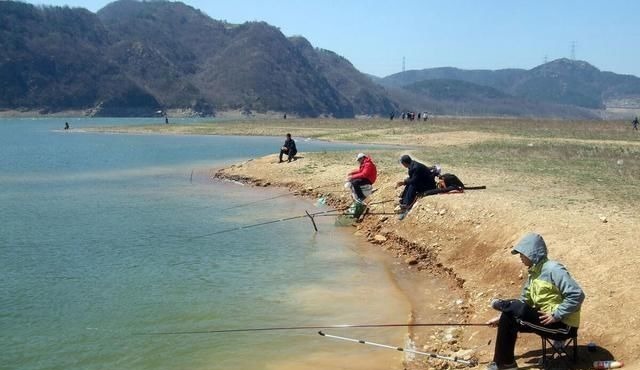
x: 53, y: 59
x: 562, y: 82
x: 134, y: 58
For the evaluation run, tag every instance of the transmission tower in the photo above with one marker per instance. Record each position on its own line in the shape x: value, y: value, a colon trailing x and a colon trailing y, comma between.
x: 573, y: 50
x: 403, y: 64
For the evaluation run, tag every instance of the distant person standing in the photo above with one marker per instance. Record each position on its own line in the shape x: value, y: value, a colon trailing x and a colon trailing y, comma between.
x: 285, y: 116
x: 166, y: 119
x: 66, y: 125
x: 635, y: 123
x: 288, y: 148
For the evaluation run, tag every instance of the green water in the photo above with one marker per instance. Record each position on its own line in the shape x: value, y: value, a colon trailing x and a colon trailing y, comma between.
x: 101, y: 246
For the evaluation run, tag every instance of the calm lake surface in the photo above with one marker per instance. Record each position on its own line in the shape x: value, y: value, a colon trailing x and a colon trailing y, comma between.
x: 103, y: 244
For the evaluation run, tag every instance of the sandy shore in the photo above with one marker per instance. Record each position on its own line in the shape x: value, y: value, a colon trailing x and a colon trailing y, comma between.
x: 465, y: 238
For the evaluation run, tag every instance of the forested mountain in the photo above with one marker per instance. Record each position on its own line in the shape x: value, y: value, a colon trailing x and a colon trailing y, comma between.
x: 54, y: 58
x: 137, y: 57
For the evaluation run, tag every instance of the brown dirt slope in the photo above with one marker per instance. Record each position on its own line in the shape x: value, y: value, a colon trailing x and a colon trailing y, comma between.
x: 467, y: 237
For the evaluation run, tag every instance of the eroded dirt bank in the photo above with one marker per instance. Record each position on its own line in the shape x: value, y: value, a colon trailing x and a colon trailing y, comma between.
x: 466, y: 239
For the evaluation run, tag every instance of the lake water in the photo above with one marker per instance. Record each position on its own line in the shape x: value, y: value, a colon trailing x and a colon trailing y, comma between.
x: 100, y: 247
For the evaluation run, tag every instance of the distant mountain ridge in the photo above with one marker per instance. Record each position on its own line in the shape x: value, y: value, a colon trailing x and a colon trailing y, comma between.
x: 134, y: 58
x: 563, y: 81
x: 145, y: 56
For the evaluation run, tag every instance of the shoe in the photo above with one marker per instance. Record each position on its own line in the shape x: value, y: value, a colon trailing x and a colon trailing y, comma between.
x: 281, y: 161
x: 494, y: 366
x: 499, y: 304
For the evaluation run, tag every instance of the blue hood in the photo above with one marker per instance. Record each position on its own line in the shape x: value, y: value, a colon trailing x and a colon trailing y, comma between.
x: 532, y: 246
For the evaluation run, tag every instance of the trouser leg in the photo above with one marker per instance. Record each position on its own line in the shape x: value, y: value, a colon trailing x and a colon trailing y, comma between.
x: 506, y: 340
x: 282, y: 151
x: 517, y: 316
x: 356, y: 184
x: 409, y: 195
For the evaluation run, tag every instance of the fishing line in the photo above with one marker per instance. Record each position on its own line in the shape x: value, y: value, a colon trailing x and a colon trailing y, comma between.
x: 342, y: 326
x: 311, y: 215
x: 271, y: 198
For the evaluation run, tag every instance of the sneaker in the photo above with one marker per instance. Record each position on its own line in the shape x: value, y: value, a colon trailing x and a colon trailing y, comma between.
x: 494, y: 366
x: 499, y: 304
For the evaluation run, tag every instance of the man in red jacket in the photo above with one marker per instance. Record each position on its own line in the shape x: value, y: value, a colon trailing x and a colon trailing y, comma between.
x: 364, y: 175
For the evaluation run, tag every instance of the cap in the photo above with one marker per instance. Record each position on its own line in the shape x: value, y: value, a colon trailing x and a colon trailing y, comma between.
x: 405, y: 159
x: 360, y: 156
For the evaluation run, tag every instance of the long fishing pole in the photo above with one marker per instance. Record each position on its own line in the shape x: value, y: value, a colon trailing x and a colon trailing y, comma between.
x: 313, y: 327
x: 275, y: 197
x: 401, y: 349
x: 311, y: 215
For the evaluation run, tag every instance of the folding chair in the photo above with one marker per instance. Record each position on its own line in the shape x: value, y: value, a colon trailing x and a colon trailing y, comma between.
x: 559, y: 348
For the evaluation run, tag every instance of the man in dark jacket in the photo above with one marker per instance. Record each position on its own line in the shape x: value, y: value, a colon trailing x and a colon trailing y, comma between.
x: 420, y: 179
x: 288, y: 148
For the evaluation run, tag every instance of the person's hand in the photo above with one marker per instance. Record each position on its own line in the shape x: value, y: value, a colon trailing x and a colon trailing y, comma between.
x: 348, y: 177
x: 546, y: 318
x: 493, y: 322
x: 399, y: 184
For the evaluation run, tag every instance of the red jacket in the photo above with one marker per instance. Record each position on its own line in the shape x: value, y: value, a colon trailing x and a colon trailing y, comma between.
x: 367, y: 171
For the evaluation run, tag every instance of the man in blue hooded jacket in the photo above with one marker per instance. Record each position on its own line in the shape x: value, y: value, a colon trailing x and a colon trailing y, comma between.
x: 549, y: 304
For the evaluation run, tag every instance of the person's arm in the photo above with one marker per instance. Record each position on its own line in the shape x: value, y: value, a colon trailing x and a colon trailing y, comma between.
x: 413, y: 176
x: 572, y: 294
x: 358, y: 173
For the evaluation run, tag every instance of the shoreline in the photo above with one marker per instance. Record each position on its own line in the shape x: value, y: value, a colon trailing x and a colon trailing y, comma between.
x: 406, y: 277
x: 574, y: 182
x: 465, y: 238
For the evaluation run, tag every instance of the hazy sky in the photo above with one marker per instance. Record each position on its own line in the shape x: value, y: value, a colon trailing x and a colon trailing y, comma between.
x: 375, y: 35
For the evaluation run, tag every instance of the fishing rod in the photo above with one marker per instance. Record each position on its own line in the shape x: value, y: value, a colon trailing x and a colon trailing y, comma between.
x: 469, y: 363
x: 313, y: 327
x: 278, y: 196
x: 307, y: 214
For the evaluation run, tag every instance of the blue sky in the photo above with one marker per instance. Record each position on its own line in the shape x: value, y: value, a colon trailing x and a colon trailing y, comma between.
x: 469, y: 34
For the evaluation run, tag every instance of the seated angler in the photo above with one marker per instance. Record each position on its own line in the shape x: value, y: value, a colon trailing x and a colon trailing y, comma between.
x: 549, y: 304
x: 421, y: 178
x: 288, y: 148
x: 364, y: 175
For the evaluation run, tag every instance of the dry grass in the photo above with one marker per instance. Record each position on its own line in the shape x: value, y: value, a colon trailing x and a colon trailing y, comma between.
x: 601, y: 156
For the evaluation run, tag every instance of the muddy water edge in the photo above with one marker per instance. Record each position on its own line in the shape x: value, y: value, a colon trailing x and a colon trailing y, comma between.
x: 434, y: 296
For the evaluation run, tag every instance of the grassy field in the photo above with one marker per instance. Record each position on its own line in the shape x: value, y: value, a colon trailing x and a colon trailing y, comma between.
x: 602, y: 156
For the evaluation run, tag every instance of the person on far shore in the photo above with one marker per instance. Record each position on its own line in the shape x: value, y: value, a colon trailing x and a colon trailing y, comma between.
x: 420, y: 179
x: 366, y: 174
x: 66, y: 125
x: 288, y: 148
x: 549, y: 304
x: 635, y: 123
